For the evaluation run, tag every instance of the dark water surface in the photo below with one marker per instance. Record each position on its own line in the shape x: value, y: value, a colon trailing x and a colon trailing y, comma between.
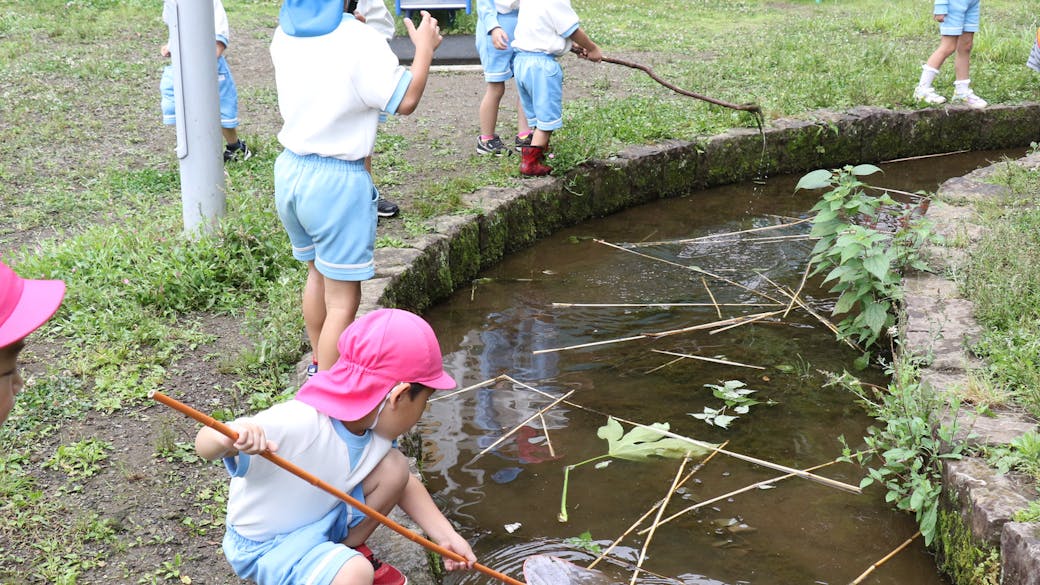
x: 508, y: 499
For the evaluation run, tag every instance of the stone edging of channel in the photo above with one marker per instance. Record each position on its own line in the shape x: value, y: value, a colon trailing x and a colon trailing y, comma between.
x: 504, y: 220
x: 978, y: 538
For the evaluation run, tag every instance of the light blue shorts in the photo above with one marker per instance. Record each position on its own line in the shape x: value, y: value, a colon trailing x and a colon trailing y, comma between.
x: 225, y: 85
x: 962, y: 16
x: 497, y: 63
x: 328, y: 208
x: 539, y: 81
x: 313, y: 554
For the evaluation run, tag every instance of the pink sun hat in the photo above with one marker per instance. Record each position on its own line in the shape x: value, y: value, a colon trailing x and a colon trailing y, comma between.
x: 25, y: 304
x: 378, y: 350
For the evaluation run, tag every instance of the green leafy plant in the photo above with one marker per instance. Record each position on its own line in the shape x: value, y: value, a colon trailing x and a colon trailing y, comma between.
x: 584, y: 542
x: 80, y: 459
x: 861, y: 259
x: 908, y: 450
x: 1021, y: 454
x: 639, y: 444
x: 736, y: 397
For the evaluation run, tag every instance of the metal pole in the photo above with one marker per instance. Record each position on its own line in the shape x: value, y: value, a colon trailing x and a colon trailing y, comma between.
x: 193, y: 54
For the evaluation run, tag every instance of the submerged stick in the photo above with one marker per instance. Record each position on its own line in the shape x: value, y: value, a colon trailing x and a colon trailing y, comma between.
x: 660, y: 511
x: 517, y: 427
x: 319, y: 483
x: 724, y: 235
x: 775, y: 466
x: 660, y: 305
x: 885, y: 559
x: 636, y: 524
x: 706, y: 359
x: 746, y: 488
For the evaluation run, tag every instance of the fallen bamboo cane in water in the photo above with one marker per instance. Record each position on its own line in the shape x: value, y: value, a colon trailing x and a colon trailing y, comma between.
x: 885, y: 559
x: 319, y: 483
x: 660, y: 511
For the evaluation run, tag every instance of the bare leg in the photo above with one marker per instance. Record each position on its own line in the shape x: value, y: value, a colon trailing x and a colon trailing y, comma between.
x: 342, y: 299
x: 963, y: 57
x: 230, y: 135
x: 314, y: 306
x: 356, y: 571
x: 541, y: 137
x: 489, y: 107
x: 947, y: 45
x: 383, y: 490
x: 522, y: 127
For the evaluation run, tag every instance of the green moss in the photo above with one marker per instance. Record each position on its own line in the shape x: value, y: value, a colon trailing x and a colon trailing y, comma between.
x: 960, y: 557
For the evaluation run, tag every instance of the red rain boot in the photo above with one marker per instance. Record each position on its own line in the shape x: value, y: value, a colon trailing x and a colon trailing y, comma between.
x: 531, y: 162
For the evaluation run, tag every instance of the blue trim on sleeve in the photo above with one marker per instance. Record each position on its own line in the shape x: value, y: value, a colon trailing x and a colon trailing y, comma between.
x: 402, y: 87
x: 567, y: 33
x: 223, y: 40
x: 237, y: 466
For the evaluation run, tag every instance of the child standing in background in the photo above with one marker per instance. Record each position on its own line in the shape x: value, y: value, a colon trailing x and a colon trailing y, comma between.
x: 236, y: 148
x: 958, y: 22
x: 545, y: 29
x: 496, y: 23
x: 334, y: 75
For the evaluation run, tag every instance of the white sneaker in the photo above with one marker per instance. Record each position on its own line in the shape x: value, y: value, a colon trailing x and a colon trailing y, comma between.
x: 928, y: 95
x: 970, y: 99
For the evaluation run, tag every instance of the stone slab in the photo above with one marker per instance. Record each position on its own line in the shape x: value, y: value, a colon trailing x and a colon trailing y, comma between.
x: 1020, y: 553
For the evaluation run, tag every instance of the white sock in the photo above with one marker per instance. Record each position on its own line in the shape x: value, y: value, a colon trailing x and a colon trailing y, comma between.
x: 962, y: 87
x: 928, y: 74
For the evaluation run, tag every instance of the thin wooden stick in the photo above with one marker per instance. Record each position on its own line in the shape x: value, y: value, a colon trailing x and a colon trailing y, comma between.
x: 885, y: 559
x: 801, y: 285
x: 909, y: 158
x: 897, y: 191
x: 636, y: 524
x: 775, y: 466
x: 707, y: 359
x: 661, y: 305
x: 744, y: 322
x: 746, y: 488
x: 767, y: 239
x: 660, y: 511
x: 545, y: 429
x: 826, y: 322
x: 466, y: 389
x: 319, y: 483
x: 691, y: 268
x: 704, y: 281
x: 665, y: 365
x: 724, y: 235
x: 517, y: 427
x: 660, y: 333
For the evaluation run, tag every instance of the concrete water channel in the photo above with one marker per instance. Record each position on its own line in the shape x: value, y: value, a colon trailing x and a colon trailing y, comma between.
x: 509, y: 498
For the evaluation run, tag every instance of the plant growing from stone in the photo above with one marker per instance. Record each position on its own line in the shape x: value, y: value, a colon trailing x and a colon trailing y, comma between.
x: 860, y: 256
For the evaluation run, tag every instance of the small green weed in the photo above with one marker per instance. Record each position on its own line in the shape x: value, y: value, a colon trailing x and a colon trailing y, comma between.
x: 80, y: 459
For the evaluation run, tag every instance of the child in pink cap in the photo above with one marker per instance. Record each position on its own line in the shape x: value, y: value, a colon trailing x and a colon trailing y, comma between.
x: 24, y: 306
x: 340, y: 427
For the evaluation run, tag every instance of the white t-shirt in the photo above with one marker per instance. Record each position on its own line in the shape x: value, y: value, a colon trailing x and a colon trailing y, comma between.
x: 265, y: 500
x: 377, y: 16
x: 506, y: 6
x: 332, y: 87
x: 545, y: 26
x: 220, y: 21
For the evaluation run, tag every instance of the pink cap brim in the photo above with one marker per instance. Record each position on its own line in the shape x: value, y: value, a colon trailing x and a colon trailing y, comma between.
x: 39, y: 301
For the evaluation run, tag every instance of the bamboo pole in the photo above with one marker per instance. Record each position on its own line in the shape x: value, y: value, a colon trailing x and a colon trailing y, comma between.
x: 724, y: 235
x: 659, y: 305
x: 746, y: 488
x: 665, y: 365
x: 761, y: 462
x: 801, y: 285
x: 826, y: 322
x: 885, y: 559
x: 706, y: 359
x: 319, y: 483
x: 548, y: 441
x: 660, y: 511
x: 711, y: 296
x: 636, y: 524
x: 517, y: 427
x: 467, y: 389
x: 744, y: 322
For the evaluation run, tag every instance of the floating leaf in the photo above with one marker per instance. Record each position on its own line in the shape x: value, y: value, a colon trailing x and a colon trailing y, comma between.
x: 642, y: 443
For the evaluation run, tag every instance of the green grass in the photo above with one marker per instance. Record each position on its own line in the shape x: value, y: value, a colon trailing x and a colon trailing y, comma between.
x: 83, y: 198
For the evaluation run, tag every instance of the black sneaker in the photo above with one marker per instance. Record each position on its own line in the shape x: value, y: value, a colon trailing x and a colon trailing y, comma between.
x: 237, y: 152
x: 494, y: 146
x: 522, y: 142
x: 385, y: 208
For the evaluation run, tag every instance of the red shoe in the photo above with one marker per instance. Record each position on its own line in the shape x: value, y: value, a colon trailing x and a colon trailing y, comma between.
x: 385, y: 573
x: 531, y: 162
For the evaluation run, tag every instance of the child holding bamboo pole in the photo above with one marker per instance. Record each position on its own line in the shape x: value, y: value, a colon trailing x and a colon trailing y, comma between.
x: 340, y: 427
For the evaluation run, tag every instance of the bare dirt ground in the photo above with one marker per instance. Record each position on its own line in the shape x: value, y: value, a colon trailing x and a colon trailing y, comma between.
x: 165, y: 511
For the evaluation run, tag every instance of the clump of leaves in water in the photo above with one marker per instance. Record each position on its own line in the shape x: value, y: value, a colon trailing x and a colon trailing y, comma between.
x: 737, y: 400
x: 639, y: 444
x: 862, y: 258
x: 584, y: 541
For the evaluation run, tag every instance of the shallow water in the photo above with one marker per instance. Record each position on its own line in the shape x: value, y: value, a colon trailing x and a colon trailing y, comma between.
x: 508, y: 499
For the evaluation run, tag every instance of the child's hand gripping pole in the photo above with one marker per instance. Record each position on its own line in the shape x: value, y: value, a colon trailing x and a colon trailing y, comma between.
x: 317, y: 482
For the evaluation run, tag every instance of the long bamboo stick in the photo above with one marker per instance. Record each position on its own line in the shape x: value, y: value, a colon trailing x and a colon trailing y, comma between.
x: 885, y: 559
x: 706, y: 359
x: 725, y: 235
x: 775, y: 466
x: 517, y: 427
x: 660, y: 305
x: 319, y: 483
x: 660, y: 511
x: 711, y: 296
